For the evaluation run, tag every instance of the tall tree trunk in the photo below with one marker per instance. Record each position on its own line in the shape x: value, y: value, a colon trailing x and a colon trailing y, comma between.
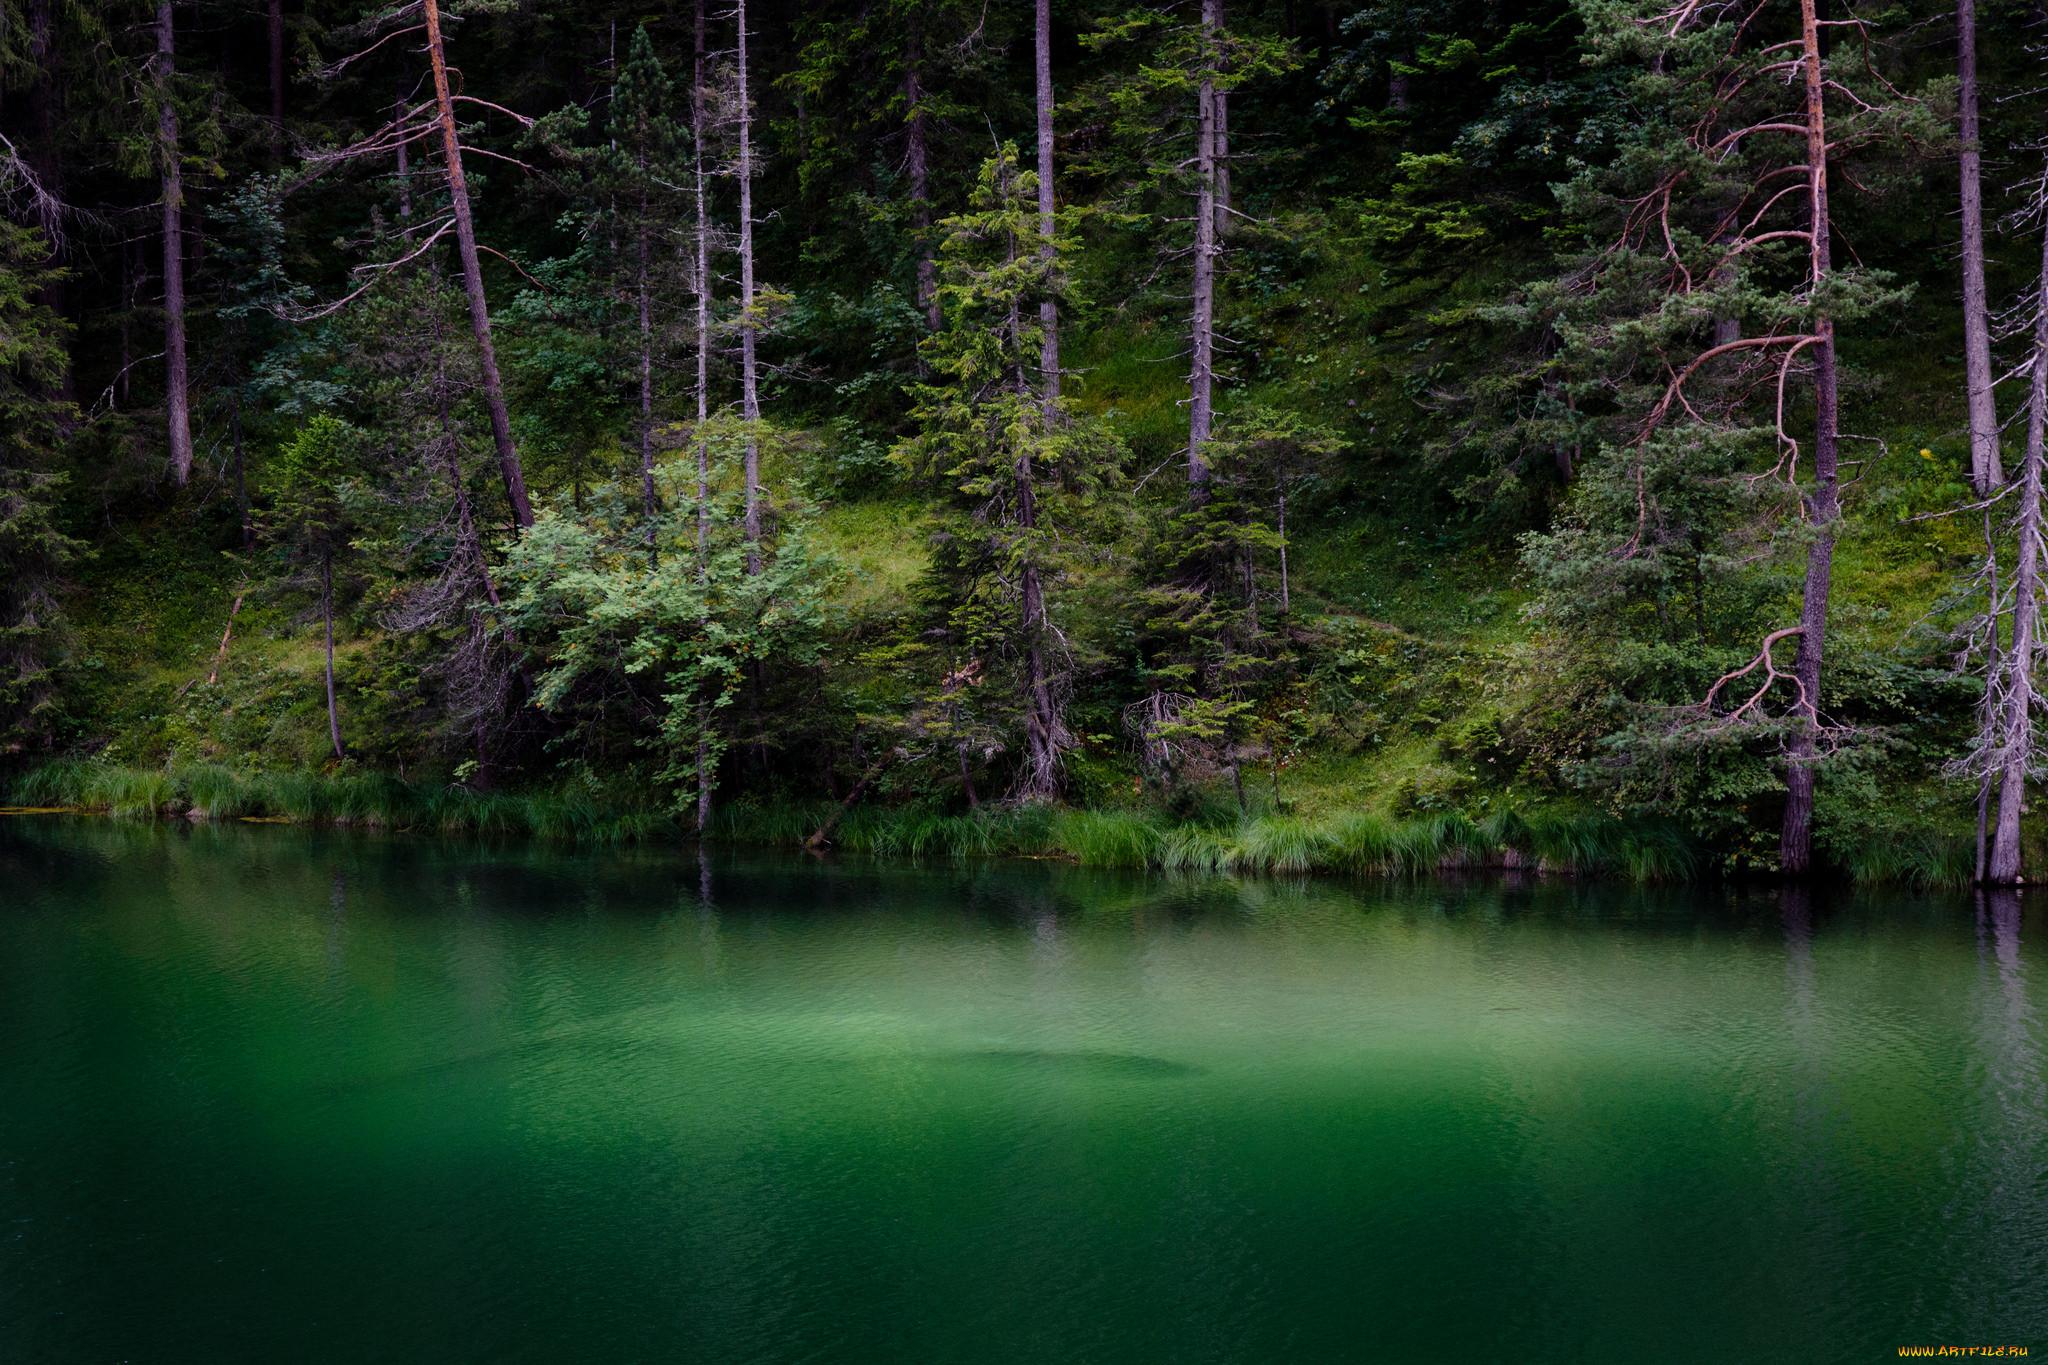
x: 473, y: 278
x: 750, y: 386
x: 2015, y: 730
x: 1048, y: 311
x: 468, y: 542
x: 1040, y: 779
x: 276, y: 81
x: 1286, y: 603
x: 327, y: 618
x: 129, y: 286
x: 404, y: 159
x: 918, y: 164
x: 1222, y: 135
x: 706, y: 777
x: 46, y: 105
x: 1988, y: 708
x: 1985, y: 470
x: 1823, y: 504
x: 177, y: 401
x: 241, y: 479
x: 646, y: 371
x: 1201, y: 373
x: 703, y: 288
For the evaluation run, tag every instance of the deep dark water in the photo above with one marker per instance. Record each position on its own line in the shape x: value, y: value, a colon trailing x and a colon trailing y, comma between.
x: 270, y: 1095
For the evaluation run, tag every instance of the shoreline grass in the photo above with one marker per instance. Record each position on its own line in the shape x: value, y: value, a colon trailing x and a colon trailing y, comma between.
x: 1348, y: 842
x: 1578, y: 844
x: 209, y: 791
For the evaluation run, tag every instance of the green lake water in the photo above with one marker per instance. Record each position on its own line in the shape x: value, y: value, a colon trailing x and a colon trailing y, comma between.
x: 268, y: 1095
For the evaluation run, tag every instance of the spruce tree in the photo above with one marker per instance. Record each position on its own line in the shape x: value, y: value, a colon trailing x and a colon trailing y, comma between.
x: 1020, y: 483
x: 35, y: 634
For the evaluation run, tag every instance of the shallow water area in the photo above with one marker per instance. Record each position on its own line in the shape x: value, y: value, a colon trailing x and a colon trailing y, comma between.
x: 273, y: 1094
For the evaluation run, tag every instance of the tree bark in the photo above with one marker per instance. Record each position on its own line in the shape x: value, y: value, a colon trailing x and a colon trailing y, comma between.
x: 750, y: 388
x: 706, y: 778
x: 967, y: 780
x: 2016, y: 727
x: 241, y: 478
x: 824, y: 831
x: 1823, y: 504
x: 46, y: 105
x: 646, y: 375
x: 220, y: 657
x: 404, y: 159
x: 131, y: 285
x: 1987, y: 716
x: 1286, y: 604
x: 468, y: 541
x: 918, y: 164
x: 1201, y: 373
x: 1222, y: 134
x: 703, y: 284
x: 473, y: 278
x: 1048, y: 311
x: 276, y: 82
x: 1040, y: 780
x: 1986, y: 472
x: 177, y: 399
x: 327, y: 617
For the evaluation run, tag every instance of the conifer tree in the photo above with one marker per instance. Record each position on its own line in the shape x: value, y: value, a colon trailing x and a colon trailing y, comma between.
x: 310, y: 526
x: 1165, y: 154
x: 35, y: 633
x: 1022, y: 482
x: 1716, y: 205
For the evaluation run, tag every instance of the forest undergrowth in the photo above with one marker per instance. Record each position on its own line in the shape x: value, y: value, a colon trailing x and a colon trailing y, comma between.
x: 1387, y: 438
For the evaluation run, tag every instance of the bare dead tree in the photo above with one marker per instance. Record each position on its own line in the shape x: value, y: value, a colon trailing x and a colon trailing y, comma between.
x: 1986, y: 472
x: 2015, y: 699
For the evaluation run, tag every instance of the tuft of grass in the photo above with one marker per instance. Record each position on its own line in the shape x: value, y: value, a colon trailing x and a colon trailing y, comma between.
x: 1195, y: 848
x: 1105, y: 838
x: 1923, y: 858
x: 1362, y: 842
x: 1280, y: 843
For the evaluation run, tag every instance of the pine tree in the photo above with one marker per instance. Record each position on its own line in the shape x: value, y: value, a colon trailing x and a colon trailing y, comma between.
x: 1715, y: 206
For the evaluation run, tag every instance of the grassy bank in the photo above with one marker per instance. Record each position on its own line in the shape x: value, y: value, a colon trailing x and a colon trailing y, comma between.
x: 1575, y: 844
x: 1568, y: 843
x: 208, y: 791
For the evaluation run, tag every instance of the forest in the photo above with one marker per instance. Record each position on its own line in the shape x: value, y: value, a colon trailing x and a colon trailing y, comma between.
x: 1586, y: 434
